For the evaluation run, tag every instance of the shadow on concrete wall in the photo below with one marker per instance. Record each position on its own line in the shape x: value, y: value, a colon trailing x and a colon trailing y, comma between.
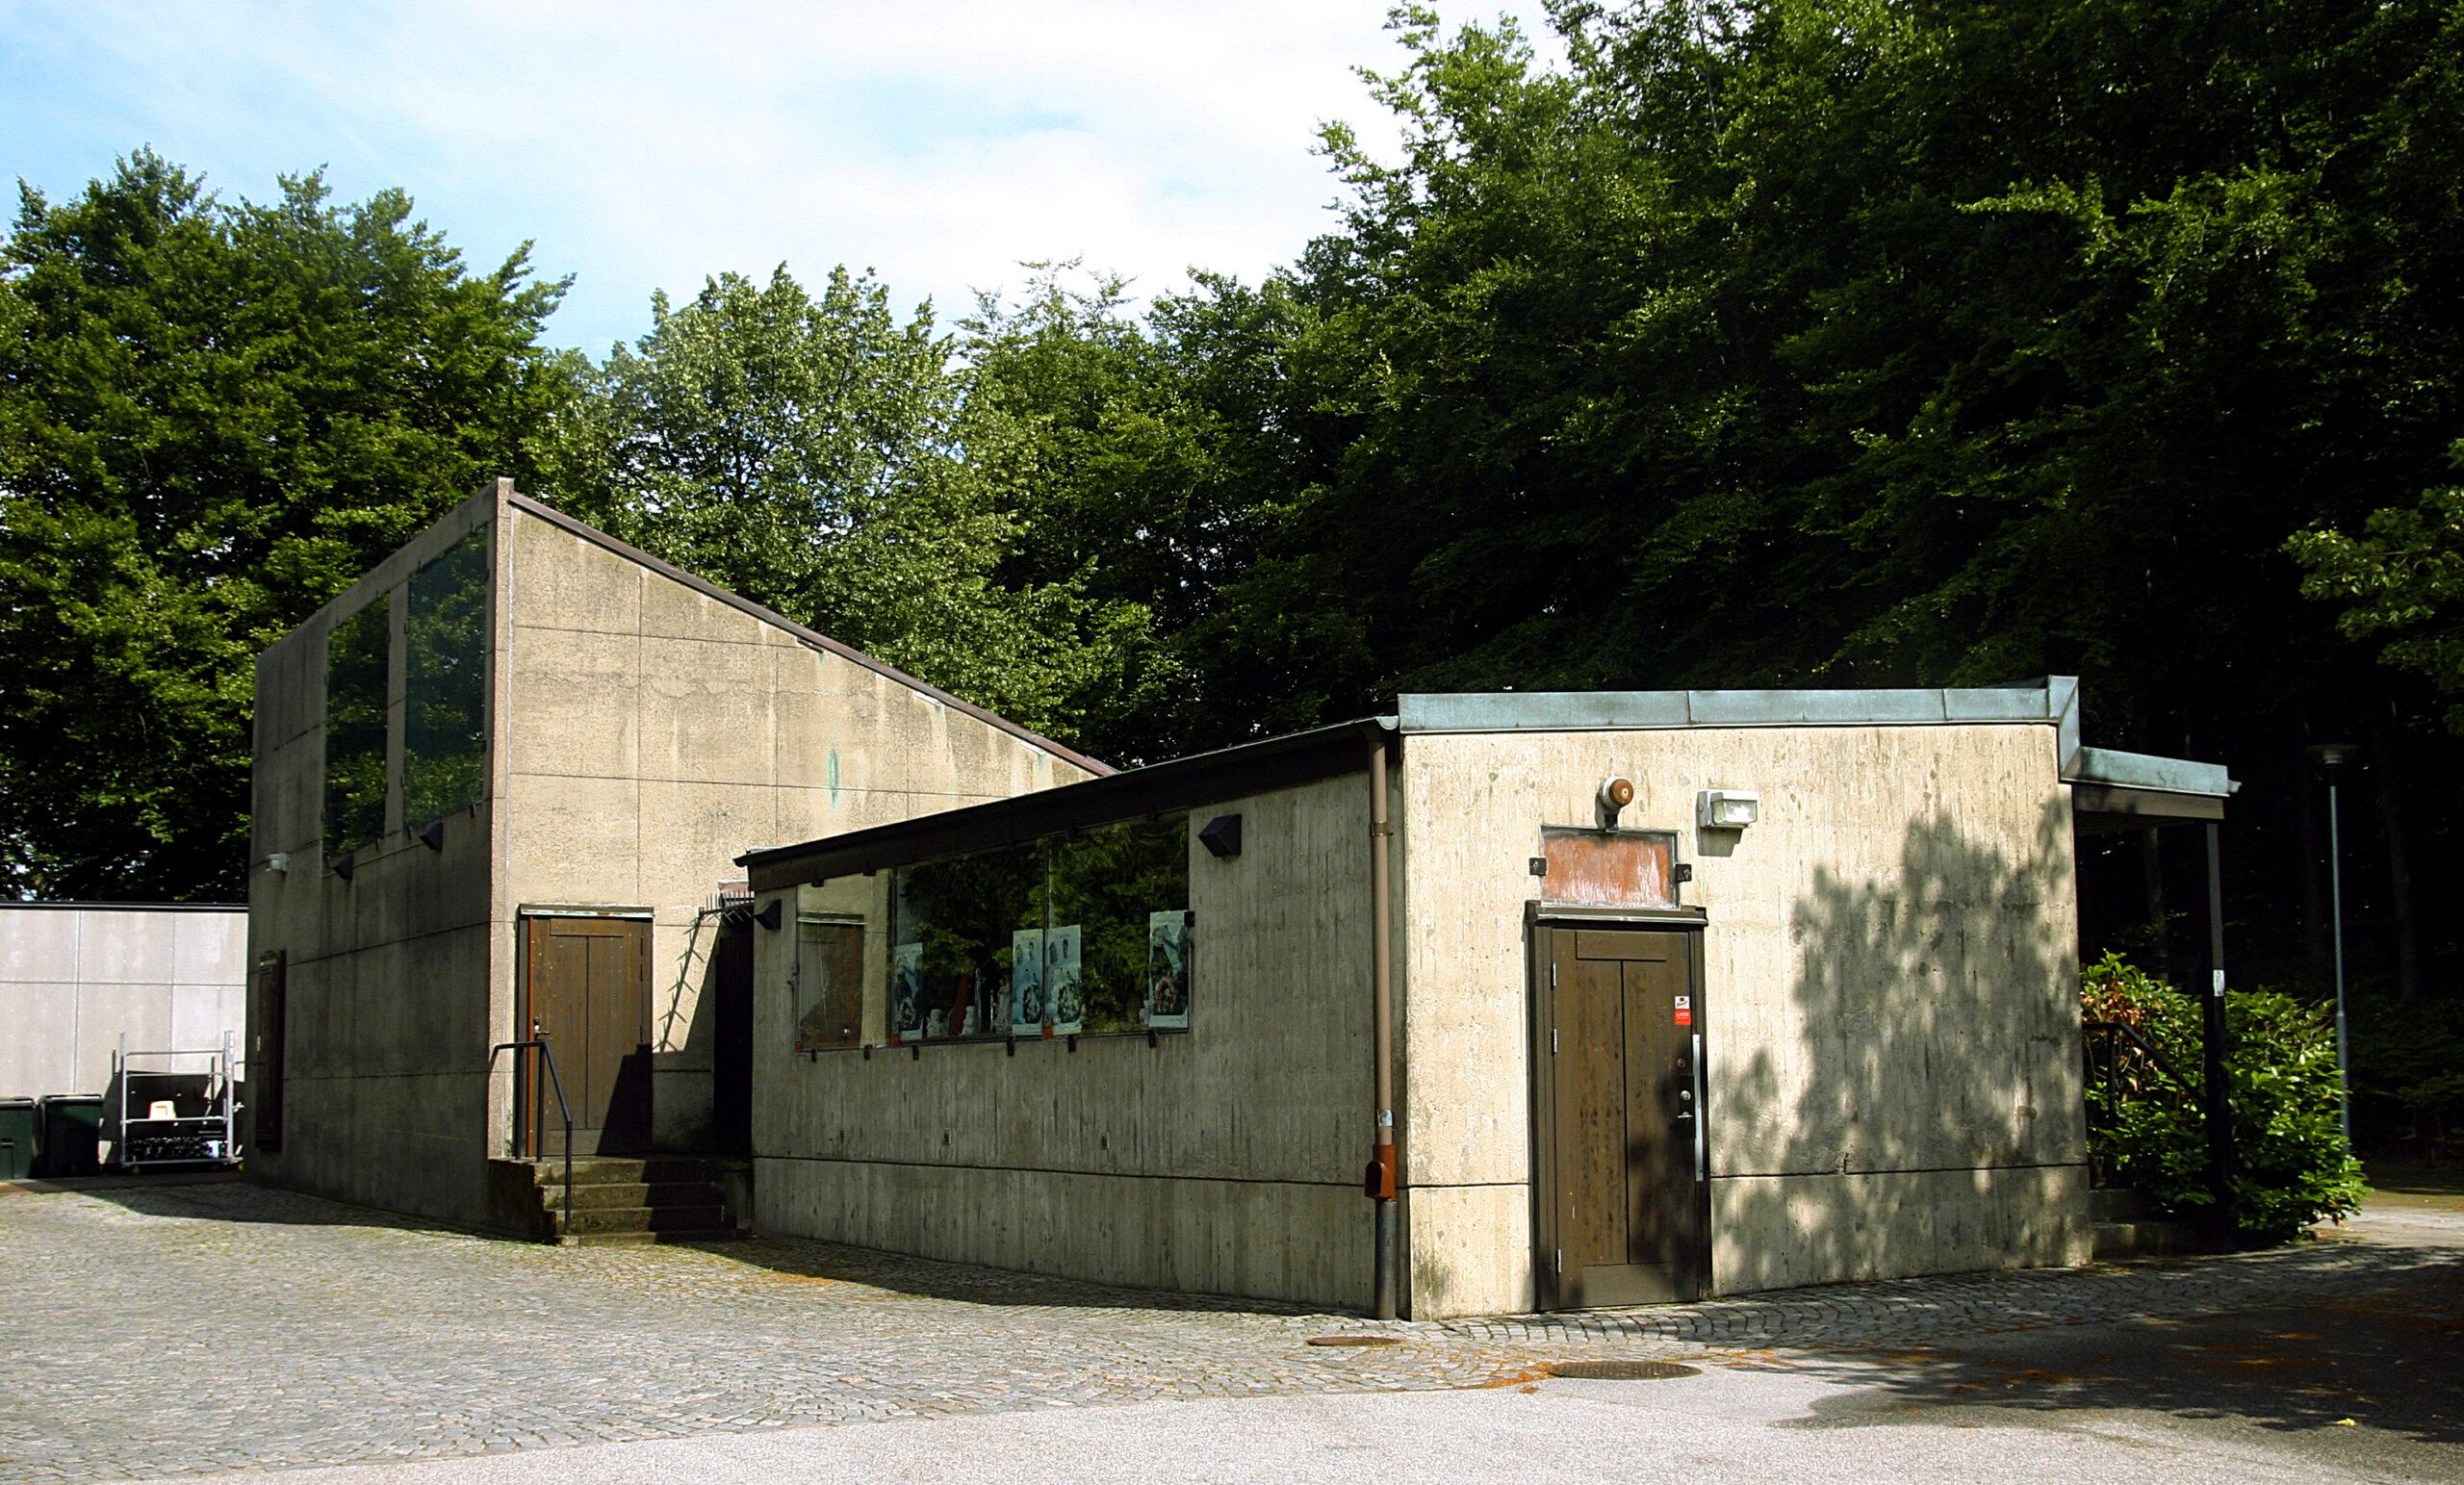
x: 681, y: 1038
x: 682, y: 1008
x: 1936, y: 1031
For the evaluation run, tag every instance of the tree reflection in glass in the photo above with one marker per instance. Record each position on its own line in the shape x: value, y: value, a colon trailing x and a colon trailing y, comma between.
x: 357, y: 654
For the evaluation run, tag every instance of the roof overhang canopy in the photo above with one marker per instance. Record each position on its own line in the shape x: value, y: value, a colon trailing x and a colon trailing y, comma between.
x: 2137, y: 791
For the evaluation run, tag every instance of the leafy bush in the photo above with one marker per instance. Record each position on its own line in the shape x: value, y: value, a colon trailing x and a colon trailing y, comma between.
x: 2291, y: 1164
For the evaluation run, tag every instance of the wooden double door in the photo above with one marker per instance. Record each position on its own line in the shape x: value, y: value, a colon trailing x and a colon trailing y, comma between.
x: 586, y: 988
x: 1619, y: 1143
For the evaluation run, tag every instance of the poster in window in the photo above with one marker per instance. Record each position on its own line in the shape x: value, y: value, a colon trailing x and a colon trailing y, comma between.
x: 1167, y: 970
x: 906, y: 991
x: 1060, y: 984
x: 1026, y: 983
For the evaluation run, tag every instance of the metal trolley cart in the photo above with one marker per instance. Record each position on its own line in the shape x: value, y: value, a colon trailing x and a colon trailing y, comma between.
x: 172, y: 1115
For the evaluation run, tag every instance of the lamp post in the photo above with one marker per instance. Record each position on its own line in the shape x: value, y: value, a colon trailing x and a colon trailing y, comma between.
x: 2332, y: 758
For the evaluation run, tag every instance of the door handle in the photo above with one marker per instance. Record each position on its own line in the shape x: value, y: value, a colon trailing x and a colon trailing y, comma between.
x: 1701, y: 1154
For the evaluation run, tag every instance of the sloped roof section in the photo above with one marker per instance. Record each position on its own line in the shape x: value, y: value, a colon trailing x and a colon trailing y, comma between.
x: 531, y: 506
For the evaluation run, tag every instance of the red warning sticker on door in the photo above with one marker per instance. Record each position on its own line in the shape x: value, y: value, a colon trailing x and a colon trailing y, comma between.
x: 1684, y: 1009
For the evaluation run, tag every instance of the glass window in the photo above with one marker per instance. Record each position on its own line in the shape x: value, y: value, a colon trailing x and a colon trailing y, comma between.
x: 357, y: 654
x: 445, y: 739
x: 1111, y: 888
x: 828, y: 973
x: 966, y: 936
x: 1080, y: 934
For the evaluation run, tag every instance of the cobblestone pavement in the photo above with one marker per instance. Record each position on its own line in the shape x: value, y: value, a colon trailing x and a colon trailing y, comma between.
x: 194, y: 1329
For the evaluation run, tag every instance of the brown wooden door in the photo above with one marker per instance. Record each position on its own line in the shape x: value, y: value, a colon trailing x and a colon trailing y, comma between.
x: 1617, y: 1031
x: 587, y: 990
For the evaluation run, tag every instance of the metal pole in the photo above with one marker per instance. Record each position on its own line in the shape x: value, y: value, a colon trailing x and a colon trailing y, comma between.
x: 2217, y: 1107
x: 2336, y: 916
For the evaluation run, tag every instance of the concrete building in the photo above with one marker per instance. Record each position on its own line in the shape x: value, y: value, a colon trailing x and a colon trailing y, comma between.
x: 1668, y: 995
x: 499, y: 784
x: 75, y: 977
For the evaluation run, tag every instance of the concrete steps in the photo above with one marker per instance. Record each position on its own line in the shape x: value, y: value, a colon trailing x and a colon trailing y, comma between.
x: 624, y: 1201
x: 2126, y: 1224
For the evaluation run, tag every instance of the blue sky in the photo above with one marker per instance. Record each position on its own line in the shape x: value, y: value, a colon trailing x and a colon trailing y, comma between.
x: 647, y: 146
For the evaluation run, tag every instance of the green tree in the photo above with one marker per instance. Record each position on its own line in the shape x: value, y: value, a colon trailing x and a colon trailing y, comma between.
x: 1807, y: 341
x: 820, y: 456
x: 214, y: 417
x: 1157, y: 454
x: 2403, y: 578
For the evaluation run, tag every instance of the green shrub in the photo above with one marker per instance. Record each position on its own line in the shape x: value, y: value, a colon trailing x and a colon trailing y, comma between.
x: 2291, y: 1166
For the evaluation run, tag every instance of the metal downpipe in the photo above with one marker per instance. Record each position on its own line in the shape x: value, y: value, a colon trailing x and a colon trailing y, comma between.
x: 1380, y: 1181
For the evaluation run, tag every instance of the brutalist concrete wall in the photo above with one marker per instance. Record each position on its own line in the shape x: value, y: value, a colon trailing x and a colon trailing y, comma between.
x: 385, y: 1044
x: 1892, y: 1015
x: 1223, y: 1161
x: 655, y: 731
x: 641, y: 733
x: 75, y: 977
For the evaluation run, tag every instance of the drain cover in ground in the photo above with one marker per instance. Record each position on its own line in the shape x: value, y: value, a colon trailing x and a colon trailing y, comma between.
x: 1623, y: 1370
x: 1355, y: 1340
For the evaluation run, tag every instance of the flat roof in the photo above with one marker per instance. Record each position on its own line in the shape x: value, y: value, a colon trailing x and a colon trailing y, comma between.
x: 2117, y: 789
x: 1131, y: 794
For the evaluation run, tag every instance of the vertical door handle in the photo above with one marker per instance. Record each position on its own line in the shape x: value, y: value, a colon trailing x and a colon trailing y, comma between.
x: 1701, y: 1164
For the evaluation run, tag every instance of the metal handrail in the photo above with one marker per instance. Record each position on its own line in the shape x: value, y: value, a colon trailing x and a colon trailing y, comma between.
x: 2130, y: 1034
x: 539, y: 1109
x: 2114, y: 1032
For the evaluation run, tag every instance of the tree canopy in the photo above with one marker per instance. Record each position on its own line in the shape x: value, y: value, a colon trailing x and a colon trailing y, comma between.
x: 214, y: 417
x: 818, y: 456
x: 1762, y: 343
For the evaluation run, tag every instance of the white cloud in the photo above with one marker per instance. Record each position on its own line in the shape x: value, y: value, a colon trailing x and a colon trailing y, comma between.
x: 645, y: 146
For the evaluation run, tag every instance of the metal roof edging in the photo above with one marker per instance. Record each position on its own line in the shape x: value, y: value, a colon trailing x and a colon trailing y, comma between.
x: 2151, y: 772
x: 2053, y: 700
x: 1128, y: 794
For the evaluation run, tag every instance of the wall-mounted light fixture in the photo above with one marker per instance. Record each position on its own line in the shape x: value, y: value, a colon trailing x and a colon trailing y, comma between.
x: 769, y: 917
x: 1727, y: 809
x: 433, y: 834
x: 1222, y: 837
x: 1615, y: 794
x: 279, y: 861
x: 344, y: 866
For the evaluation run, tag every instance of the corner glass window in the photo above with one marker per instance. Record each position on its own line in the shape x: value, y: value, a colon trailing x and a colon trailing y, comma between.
x: 445, y: 738
x: 357, y: 654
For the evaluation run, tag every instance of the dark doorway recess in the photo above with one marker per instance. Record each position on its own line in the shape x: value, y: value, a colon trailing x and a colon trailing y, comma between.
x: 1618, y: 1032
x: 731, y: 1042
x: 586, y: 988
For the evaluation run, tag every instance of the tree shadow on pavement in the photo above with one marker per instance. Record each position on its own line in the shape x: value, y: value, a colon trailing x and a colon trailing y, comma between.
x: 2339, y: 1332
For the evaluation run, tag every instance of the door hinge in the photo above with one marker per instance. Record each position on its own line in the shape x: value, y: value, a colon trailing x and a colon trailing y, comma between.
x: 1553, y: 1041
x: 1552, y: 977
x: 1561, y: 1260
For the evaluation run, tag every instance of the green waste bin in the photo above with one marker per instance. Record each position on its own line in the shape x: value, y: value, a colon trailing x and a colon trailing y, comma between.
x: 16, y: 1139
x: 72, y: 1134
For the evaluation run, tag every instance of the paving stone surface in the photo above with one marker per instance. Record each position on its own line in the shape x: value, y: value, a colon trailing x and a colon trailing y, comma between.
x: 196, y: 1329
